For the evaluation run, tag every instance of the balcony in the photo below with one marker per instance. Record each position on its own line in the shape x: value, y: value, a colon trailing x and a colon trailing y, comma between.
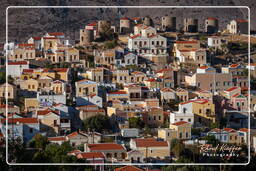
x: 65, y: 125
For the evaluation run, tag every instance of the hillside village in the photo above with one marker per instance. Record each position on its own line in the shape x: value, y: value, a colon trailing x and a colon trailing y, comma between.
x: 131, y: 93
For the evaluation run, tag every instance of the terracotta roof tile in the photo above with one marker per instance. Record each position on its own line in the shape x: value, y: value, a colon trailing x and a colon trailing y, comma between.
x: 60, y: 138
x: 90, y: 155
x: 180, y: 123
x: 105, y: 146
x: 128, y: 168
x: 150, y: 142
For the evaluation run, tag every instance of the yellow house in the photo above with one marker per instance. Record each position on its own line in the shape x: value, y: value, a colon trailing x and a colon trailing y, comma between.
x: 117, y: 95
x: 167, y: 134
x: 182, y: 94
x: 31, y: 103
x: 86, y: 87
x: 57, y: 73
x: 58, y: 87
x: 49, y: 43
x: 11, y: 91
x: 182, y: 128
x: 203, y: 110
x: 23, y: 52
x: 154, y: 117
x: 30, y: 85
x: 203, y: 94
x: 150, y: 147
x: 50, y: 121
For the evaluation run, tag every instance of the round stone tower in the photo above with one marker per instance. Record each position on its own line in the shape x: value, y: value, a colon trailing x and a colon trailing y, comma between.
x: 168, y: 23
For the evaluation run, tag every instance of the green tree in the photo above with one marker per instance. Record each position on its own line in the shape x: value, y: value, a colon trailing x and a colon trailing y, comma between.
x: 98, y: 123
x: 40, y: 141
x: 2, y: 77
x: 135, y: 122
x: 110, y: 44
x: 210, y: 139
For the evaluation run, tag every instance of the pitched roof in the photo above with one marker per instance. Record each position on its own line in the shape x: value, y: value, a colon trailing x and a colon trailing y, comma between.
x: 56, y: 34
x: 198, y: 101
x: 60, y: 138
x: 128, y: 168
x: 18, y: 63
x: 118, y: 92
x: 242, y: 21
x: 232, y: 88
x: 105, y: 146
x: 163, y: 70
x: 135, y: 36
x: 21, y: 120
x: 180, y: 123
x: 36, y: 38
x: 150, y: 142
x: 211, y: 18
x: 90, y: 155
x: 74, y: 134
x: 124, y: 18
x: 243, y: 129
x: 229, y: 130
x: 167, y: 89
x: 46, y: 112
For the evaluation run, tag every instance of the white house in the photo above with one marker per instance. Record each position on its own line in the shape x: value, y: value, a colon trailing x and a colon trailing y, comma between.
x: 15, y: 68
x: 184, y: 113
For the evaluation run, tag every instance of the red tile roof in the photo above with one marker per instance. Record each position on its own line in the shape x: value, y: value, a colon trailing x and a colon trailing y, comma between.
x: 56, y: 34
x: 105, y: 146
x: 73, y: 134
x: 163, y: 70
x: 211, y: 18
x: 118, y: 92
x: 150, y: 142
x: 26, y: 45
x: 151, y: 80
x: 229, y: 130
x: 61, y: 138
x: 125, y: 18
x: 232, y: 88
x: 49, y: 38
x: 18, y: 63
x: 180, y: 123
x: 37, y: 38
x: 186, y: 42
x: 199, y: 101
x: 45, y: 112
x: 27, y: 70
x: 242, y: 21
x: 203, y: 67
x: 128, y: 168
x: 90, y: 155
x: 234, y: 65
x: 243, y: 129
x: 93, y: 24
x: 135, y: 36
x: 21, y: 120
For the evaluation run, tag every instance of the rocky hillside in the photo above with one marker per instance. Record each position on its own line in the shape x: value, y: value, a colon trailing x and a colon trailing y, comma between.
x: 24, y: 23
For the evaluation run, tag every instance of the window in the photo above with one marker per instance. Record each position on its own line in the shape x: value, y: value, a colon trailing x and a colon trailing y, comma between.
x: 154, y: 118
x: 186, y: 134
x: 30, y: 130
x: 115, y: 155
x: 180, y: 134
x: 189, y: 120
x: 200, y: 110
x: 159, y: 117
